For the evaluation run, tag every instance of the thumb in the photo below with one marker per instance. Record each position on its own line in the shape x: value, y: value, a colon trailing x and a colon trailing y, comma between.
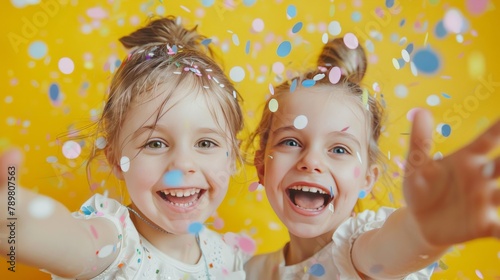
x: 9, y: 162
x: 420, y: 140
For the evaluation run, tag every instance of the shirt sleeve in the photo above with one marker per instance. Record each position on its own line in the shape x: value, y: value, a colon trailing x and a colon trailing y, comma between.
x: 127, y: 263
x: 350, y: 230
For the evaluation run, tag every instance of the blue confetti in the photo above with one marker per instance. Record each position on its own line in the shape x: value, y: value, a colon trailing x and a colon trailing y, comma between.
x: 402, y: 23
x: 207, y: 3
x: 426, y: 61
x: 297, y: 27
x: 249, y: 3
x: 389, y: 3
x: 362, y: 194
x: 54, y: 92
x: 293, y: 86
x: 308, y: 83
x: 37, y: 49
x: 118, y: 63
x: 206, y: 42
x: 445, y: 95
x: 247, y: 47
x: 317, y: 270
x: 284, y: 48
x: 195, y: 228
x: 291, y: 11
x: 331, y: 191
x: 173, y: 178
x: 440, y: 30
x: 409, y: 48
x: 356, y: 16
x: 446, y: 130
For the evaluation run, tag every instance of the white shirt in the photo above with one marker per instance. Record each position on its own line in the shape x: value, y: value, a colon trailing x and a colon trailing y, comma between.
x: 332, y: 261
x: 139, y: 259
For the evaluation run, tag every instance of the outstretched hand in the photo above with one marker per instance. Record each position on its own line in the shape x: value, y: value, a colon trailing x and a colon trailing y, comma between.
x: 455, y: 199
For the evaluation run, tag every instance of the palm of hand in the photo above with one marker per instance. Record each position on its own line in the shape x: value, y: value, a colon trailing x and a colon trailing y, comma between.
x: 455, y: 199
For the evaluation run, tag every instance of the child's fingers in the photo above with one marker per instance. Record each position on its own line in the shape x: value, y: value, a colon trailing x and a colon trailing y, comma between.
x: 491, y: 170
x: 420, y: 140
x: 487, y: 141
x: 12, y: 157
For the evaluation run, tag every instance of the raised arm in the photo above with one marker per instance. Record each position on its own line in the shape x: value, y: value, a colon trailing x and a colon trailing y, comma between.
x: 39, y: 231
x: 449, y: 201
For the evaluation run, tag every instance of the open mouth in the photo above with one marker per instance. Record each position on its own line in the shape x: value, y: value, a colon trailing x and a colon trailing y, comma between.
x: 309, y: 198
x: 181, y: 197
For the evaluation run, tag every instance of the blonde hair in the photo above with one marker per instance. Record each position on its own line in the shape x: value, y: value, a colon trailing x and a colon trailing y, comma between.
x: 352, y: 63
x: 165, y: 54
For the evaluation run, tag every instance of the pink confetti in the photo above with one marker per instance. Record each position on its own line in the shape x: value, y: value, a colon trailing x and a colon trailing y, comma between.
x: 476, y: 7
x: 246, y: 244
x: 479, y: 274
x: 97, y: 13
x: 253, y: 186
x: 218, y: 223
x: 94, y: 232
x: 334, y: 75
x: 345, y: 129
x: 351, y: 41
x: 453, y: 21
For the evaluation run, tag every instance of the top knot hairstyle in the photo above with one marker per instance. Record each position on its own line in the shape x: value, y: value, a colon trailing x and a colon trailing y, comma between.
x: 352, y: 63
x: 164, y: 56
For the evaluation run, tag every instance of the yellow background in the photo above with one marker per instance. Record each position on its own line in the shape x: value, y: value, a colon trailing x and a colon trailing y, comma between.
x: 29, y: 120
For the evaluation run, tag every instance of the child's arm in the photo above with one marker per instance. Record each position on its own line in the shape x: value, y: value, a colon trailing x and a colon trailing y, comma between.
x: 44, y: 234
x: 449, y: 201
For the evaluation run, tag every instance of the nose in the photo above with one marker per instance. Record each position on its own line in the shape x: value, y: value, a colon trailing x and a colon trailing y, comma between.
x: 311, y: 161
x: 183, y: 160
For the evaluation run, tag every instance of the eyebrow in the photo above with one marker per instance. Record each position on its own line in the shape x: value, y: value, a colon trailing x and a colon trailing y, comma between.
x: 341, y: 133
x: 162, y: 128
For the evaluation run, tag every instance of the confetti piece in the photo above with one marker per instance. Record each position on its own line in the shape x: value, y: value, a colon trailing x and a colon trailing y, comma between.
x: 273, y: 105
x: 71, y: 149
x: 317, y: 270
x: 249, y: 3
x: 401, y: 91
x: 54, y: 92
x: 359, y: 157
x: 236, y: 39
x: 237, y: 74
x: 297, y: 27
x: 51, y: 159
x: 41, y: 207
x: 440, y: 31
x: 324, y: 38
x: 247, y: 47
x: 258, y: 25
x: 218, y: 223
x: 331, y: 191
x: 389, y: 3
x: 453, y: 21
x: 253, y: 186
x: 195, y: 228
x: 433, y: 100
x: 356, y: 16
x: 66, y: 65
x: 246, y: 244
x: 351, y: 41
x: 100, y: 143
x: 205, y: 42
x: 476, y: 7
x: 97, y: 13
x: 308, y: 83
x: 331, y: 208
x: 426, y: 61
x: 479, y: 274
x: 278, y: 68
x: 409, y: 48
x: 334, y: 28
x: 284, y: 48
x: 362, y: 194
x: 94, y: 232
x: 173, y: 178
x: 365, y: 97
x: 300, y: 122
x: 105, y: 251
x: 293, y: 86
x: 291, y: 11
x: 124, y: 163
x: 444, y: 129
x: 37, y: 50
x: 405, y: 55
x: 334, y: 75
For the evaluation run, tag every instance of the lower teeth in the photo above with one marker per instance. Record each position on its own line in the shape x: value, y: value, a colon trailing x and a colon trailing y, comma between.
x: 308, y: 209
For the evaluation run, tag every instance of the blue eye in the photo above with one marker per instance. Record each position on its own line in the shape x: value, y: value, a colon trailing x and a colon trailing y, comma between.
x: 339, y: 150
x: 206, y: 144
x: 290, y: 143
x: 155, y: 144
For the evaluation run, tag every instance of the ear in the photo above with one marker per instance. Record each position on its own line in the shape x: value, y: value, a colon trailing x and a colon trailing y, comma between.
x: 115, y: 167
x: 258, y: 162
x: 371, y: 177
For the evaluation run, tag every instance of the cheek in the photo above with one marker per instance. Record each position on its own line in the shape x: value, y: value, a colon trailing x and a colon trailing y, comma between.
x: 357, y: 172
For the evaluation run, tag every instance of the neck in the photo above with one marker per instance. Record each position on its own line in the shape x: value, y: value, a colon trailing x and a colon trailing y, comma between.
x: 182, y: 247
x: 300, y: 249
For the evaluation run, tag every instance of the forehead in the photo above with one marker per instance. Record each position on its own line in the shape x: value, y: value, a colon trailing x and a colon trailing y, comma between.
x: 324, y: 107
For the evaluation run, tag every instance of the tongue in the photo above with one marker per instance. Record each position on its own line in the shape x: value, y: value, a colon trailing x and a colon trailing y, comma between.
x: 182, y: 199
x: 309, y: 200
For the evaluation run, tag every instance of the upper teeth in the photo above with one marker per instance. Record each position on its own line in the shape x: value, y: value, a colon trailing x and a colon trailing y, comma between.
x: 308, y: 189
x: 181, y: 193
